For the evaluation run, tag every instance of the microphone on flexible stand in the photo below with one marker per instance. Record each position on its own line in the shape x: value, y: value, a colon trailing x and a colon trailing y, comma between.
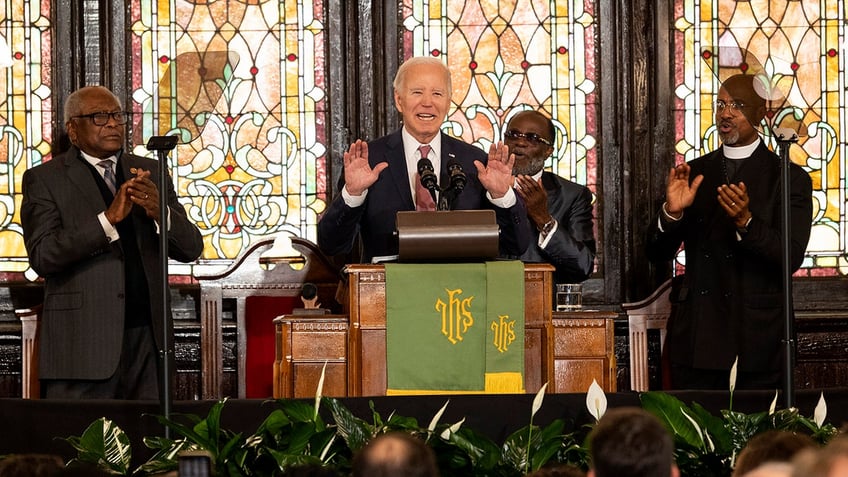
x: 428, y: 177
x: 458, y: 179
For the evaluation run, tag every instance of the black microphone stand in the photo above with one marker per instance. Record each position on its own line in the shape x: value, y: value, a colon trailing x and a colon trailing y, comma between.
x: 163, y: 144
x: 783, y: 143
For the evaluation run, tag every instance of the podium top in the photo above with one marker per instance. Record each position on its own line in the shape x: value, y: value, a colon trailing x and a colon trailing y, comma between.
x: 447, y: 236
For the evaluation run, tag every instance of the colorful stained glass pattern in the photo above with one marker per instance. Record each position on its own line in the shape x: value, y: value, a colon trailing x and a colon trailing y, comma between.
x: 25, y: 118
x: 797, y: 46
x: 242, y: 85
x: 509, y: 55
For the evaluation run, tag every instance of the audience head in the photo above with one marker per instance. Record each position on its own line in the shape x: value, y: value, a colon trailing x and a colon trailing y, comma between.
x: 631, y: 442
x: 828, y: 461
x: 422, y: 96
x: 30, y: 465
x: 771, y: 469
x: 530, y: 137
x: 101, y: 135
x: 396, y: 454
x: 770, y: 446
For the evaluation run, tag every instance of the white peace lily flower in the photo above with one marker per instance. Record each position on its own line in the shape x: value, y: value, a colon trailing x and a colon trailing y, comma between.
x: 820, y: 413
x: 320, y: 390
x: 437, y: 417
x: 773, y: 403
x: 450, y: 430
x: 537, y: 401
x: 695, y: 424
x: 733, y: 374
x: 327, y: 448
x: 596, y: 401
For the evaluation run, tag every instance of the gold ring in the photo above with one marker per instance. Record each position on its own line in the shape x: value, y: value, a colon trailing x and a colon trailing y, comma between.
x: 732, y: 204
x: 146, y: 196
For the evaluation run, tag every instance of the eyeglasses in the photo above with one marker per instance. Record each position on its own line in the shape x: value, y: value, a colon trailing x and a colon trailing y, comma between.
x: 720, y: 105
x: 102, y: 118
x: 531, y: 137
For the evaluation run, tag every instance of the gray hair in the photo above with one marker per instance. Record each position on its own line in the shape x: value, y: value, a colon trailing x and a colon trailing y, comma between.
x: 400, y: 77
x: 73, y: 103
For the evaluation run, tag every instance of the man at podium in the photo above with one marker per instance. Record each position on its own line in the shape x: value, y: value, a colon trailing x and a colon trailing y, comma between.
x: 383, y: 177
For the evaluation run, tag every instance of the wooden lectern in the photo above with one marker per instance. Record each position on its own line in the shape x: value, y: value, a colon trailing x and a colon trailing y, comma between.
x: 367, y: 350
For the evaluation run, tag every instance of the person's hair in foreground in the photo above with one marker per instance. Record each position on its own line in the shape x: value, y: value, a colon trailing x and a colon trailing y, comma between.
x: 770, y: 446
x: 631, y: 442
x: 395, y: 454
x: 828, y: 461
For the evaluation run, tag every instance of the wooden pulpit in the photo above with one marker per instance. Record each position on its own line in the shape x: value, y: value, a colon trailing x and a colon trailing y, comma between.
x: 367, y: 331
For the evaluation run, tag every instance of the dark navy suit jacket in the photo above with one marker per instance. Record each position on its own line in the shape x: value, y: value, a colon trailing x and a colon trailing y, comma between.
x: 375, y: 220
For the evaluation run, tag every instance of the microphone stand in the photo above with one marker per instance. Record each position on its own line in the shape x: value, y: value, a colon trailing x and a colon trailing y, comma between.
x: 784, y: 140
x: 163, y: 144
x: 444, y: 202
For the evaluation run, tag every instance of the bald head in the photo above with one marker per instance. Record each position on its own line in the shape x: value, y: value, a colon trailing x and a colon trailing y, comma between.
x: 395, y: 454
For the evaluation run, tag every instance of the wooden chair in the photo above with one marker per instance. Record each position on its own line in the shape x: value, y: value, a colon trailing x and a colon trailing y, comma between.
x: 648, y: 314
x: 252, y: 276
x: 29, y: 317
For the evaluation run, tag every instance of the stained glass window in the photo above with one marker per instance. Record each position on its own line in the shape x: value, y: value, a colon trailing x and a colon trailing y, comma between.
x: 25, y: 117
x: 509, y: 55
x: 798, y: 46
x: 242, y: 84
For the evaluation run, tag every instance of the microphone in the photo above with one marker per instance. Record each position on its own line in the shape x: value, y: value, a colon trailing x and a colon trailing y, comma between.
x: 458, y: 179
x: 428, y: 176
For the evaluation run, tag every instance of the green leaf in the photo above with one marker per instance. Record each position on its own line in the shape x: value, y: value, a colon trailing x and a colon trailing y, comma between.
x: 355, y: 432
x: 104, y: 444
x: 715, y: 427
x: 668, y: 408
x: 299, y: 411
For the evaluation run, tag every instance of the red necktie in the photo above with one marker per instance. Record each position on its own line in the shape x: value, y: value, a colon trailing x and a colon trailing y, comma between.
x: 423, y: 199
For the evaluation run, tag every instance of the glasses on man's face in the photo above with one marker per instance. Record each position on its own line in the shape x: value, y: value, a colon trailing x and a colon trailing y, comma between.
x: 530, y: 137
x: 721, y: 105
x: 102, y: 118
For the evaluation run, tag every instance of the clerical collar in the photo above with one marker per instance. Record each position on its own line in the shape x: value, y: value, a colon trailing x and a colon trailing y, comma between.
x: 740, y: 152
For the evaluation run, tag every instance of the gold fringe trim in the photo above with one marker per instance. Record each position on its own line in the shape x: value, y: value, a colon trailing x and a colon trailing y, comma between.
x: 504, y: 383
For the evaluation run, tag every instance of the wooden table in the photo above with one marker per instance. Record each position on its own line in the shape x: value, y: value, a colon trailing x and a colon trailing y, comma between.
x: 584, y: 349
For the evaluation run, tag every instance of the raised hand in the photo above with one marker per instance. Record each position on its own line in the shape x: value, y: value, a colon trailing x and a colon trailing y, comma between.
x: 496, y: 175
x: 679, y: 192
x: 359, y: 175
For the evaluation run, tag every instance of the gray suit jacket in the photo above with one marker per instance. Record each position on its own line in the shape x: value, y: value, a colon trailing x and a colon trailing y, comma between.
x: 83, y: 316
